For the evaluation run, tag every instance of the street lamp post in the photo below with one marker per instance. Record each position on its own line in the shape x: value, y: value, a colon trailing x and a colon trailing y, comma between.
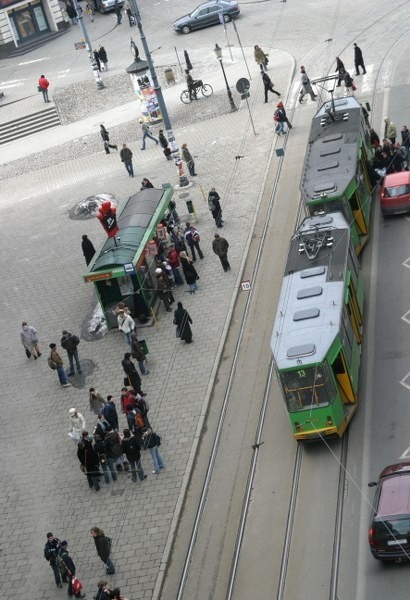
x: 183, y: 181
x: 87, y: 41
x: 218, y: 54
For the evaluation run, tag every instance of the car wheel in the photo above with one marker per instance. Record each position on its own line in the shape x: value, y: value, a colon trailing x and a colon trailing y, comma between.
x: 227, y: 18
x: 186, y: 29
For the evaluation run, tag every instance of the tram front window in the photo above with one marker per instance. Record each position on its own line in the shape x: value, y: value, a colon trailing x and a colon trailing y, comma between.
x: 307, y: 388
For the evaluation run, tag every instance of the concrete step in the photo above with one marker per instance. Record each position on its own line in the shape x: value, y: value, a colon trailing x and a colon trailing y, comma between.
x: 27, y: 47
x: 29, y: 124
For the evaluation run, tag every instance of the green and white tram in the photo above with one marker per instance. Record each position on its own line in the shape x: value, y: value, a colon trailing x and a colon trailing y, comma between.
x: 317, y: 335
x: 335, y: 173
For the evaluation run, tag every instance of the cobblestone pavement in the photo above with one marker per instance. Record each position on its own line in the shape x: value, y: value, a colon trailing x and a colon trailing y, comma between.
x: 42, y: 487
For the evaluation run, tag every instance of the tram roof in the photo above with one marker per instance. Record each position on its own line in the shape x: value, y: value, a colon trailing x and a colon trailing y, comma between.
x: 332, y: 151
x: 311, y: 299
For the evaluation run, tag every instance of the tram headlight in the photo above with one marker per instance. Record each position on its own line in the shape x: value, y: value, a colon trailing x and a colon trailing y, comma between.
x: 329, y: 421
x: 298, y: 427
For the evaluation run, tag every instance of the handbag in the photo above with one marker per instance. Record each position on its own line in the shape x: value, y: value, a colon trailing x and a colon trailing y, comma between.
x: 39, y: 88
x: 127, y: 381
x: 76, y: 585
x: 27, y: 351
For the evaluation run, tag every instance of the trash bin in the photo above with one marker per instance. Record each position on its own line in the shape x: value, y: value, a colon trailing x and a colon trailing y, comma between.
x: 169, y: 75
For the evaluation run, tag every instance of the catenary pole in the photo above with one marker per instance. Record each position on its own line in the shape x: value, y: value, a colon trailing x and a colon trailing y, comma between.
x: 183, y: 181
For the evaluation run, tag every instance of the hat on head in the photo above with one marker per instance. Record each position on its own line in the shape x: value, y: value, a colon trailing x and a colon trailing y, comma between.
x: 52, y: 346
x: 158, y: 271
x: 216, y: 235
x: 49, y: 535
x: 72, y: 411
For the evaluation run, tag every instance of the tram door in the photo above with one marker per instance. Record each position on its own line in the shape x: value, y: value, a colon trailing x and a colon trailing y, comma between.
x: 341, y: 374
x: 358, y: 215
x: 355, y: 315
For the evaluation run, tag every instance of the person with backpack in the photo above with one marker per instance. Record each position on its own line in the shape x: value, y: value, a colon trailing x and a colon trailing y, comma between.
x: 349, y: 85
x: 279, y: 119
x: 192, y: 238
x: 70, y: 343
x: 132, y: 449
x: 70, y: 569
x: 103, y: 546
x: 151, y: 441
x: 51, y: 550
x: 55, y: 362
x: 102, y: 427
x: 138, y: 353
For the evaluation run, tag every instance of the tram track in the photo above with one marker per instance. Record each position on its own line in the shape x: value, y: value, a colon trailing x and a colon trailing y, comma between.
x: 297, y: 469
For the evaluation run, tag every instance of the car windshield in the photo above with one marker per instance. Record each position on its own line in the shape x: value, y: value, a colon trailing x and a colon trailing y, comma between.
x: 308, y: 387
x: 395, y: 527
x: 397, y: 190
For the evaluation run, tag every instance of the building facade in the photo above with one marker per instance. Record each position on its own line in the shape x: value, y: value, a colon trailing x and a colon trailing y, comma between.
x: 22, y: 22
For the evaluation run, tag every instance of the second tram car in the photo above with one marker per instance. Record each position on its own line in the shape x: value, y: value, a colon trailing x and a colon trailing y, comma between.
x: 317, y: 335
x: 335, y: 172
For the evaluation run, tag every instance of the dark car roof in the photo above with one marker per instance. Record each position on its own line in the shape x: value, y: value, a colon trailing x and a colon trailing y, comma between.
x: 395, y: 490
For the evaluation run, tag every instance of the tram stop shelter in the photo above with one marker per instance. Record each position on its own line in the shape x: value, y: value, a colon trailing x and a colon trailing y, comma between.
x: 123, y: 269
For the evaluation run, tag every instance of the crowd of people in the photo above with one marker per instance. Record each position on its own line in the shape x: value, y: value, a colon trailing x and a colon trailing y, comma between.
x: 390, y: 156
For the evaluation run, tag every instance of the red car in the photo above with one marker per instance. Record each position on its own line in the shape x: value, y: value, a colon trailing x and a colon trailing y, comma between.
x: 389, y: 530
x: 395, y: 193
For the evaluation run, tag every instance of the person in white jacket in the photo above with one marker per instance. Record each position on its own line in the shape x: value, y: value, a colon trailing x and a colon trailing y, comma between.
x: 126, y: 324
x: 77, y: 425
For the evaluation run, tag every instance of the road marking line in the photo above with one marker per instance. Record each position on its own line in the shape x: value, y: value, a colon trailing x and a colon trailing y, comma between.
x: 406, y: 263
x: 405, y: 317
x: 403, y: 381
x: 406, y: 453
x: 30, y: 62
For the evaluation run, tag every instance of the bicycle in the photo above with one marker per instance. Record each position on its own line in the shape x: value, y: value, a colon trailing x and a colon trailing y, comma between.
x: 205, y: 89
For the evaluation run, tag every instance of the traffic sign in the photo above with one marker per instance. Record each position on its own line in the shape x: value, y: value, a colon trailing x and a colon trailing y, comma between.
x: 243, y: 85
x: 246, y: 285
x: 129, y: 268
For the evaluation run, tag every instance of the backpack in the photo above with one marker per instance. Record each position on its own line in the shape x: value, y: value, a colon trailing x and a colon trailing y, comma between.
x: 139, y: 421
x: 195, y: 234
x: 276, y: 115
x: 52, y: 364
x: 109, y: 542
x: 157, y: 438
x: 141, y: 405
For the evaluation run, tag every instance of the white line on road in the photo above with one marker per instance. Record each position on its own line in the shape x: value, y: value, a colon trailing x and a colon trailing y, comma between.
x: 30, y: 62
x: 406, y: 317
x: 403, y: 382
x: 406, y: 263
x: 406, y: 453
x: 7, y: 87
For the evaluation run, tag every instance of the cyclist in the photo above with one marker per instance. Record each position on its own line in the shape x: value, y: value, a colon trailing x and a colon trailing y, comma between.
x: 191, y: 85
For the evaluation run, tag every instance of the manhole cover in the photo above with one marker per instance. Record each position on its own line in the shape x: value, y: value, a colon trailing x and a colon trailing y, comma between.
x: 87, y: 209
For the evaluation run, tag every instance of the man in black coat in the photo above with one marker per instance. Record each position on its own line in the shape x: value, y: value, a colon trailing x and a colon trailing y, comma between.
x: 132, y: 373
x: 358, y: 59
x: 89, y: 460
x: 70, y: 566
x: 215, y: 207
x: 132, y: 450
x: 70, y: 342
x: 340, y: 68
x: 51, y: 550
x: 88, y: 249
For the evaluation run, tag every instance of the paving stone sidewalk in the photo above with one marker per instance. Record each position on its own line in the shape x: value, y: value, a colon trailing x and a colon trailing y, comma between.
x: 42, y: 487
